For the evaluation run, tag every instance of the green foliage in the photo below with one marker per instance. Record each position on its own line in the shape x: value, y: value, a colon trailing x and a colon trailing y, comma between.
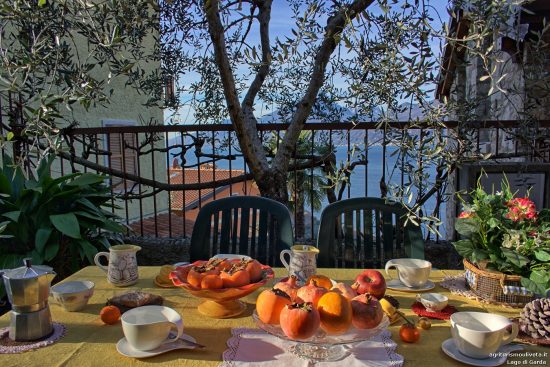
x: 60, y: 54
x: 506, y: 234
x: 57, y: 221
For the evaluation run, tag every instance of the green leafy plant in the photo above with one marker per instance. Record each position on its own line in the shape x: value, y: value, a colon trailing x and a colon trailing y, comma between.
x: 56, y: 221
x: 502, y: 232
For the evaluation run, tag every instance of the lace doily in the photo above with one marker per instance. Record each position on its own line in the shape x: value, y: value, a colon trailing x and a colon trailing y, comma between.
x: 456, y: 284
x: 255, y: 347
x: 8, y: 346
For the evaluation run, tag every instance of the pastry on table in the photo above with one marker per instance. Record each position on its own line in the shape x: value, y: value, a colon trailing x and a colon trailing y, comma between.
x: 131, y: 300
x: 162, y: 279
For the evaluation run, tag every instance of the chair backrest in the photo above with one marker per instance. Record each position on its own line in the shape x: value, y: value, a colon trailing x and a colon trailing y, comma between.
x: 365, y: 233
x: 251, y: 225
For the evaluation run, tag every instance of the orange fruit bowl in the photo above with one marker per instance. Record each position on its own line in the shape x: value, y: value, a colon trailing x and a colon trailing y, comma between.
x: 223, y: 302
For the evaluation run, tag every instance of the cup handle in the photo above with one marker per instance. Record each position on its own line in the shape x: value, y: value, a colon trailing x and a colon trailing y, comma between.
x: 179, y: 326
x: 512, y: 336
x: 98, y: 256
x: 390, y: 264
x: 285, y: 264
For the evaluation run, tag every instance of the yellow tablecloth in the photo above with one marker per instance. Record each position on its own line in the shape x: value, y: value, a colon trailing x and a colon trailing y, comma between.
x: 89, y: 342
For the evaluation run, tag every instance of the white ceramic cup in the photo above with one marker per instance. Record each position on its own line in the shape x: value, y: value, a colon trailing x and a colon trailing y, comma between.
x: 433, y: 301
x: 479, y: 334
x: 147, y: 327
x: 413, y: 273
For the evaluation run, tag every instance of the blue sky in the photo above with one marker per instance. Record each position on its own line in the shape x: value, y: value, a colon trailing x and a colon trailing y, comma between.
x: 281, y: 25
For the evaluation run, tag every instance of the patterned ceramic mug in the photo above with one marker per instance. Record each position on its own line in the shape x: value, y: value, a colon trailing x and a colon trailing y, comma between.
x: 303, y: 262
x: 123, y: 268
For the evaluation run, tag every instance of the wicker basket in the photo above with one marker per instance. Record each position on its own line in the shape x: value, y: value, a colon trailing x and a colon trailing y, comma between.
x: 496, y: 287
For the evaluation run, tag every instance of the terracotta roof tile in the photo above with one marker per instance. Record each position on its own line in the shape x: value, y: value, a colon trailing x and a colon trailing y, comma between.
x: 168, y: 225
x: 184, y: 199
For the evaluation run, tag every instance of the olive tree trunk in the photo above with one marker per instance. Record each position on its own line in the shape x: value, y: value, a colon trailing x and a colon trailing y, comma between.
x: 271, y: 176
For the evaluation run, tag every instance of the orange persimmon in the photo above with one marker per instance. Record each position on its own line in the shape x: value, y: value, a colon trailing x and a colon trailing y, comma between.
x: 254, y: 269
x: 236, y: 277
x: 211, y: 281
x: 299, y: 320
x: 196, y: 273
x: 269, y: 305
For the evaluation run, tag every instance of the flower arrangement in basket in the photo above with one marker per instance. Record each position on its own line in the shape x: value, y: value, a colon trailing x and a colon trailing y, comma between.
x: 505, y: 243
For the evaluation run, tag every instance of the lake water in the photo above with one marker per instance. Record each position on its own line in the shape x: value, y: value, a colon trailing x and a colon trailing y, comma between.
x: 365, y: 180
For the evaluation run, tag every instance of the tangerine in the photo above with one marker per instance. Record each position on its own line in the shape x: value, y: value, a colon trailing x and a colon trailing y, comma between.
x: 335, y: 312
x: 110, y: 315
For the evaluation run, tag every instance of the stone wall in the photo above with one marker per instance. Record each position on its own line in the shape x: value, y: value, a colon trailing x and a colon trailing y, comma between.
x: 160, y: 251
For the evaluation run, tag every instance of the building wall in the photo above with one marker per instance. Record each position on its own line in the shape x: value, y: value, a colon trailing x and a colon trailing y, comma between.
x: 523, y: 94
x: 126, y: 104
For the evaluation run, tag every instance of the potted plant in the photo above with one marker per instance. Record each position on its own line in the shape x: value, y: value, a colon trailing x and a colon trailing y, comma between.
x: 61, y: 222
x: 505, y: 243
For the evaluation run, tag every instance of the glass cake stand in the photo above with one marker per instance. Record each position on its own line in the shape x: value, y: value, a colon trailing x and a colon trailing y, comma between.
x: 322, y: 346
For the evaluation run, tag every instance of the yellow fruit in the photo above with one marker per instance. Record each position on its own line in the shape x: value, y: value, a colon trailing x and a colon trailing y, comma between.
x: 387, y: 307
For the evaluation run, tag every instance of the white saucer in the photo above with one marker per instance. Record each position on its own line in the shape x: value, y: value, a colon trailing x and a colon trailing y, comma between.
x: 124, y: 348
x: 396, y: 285
x: 450, y: 349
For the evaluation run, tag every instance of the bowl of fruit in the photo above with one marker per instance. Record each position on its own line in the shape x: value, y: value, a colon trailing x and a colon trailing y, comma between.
x: 221, y: 282
x: 322, y: 318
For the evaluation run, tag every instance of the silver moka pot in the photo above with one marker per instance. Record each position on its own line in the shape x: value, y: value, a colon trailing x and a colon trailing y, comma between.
x: 28, y: 288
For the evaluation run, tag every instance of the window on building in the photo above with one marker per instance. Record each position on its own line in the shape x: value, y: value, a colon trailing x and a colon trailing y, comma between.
x: 169, y: 91
x: 123, y: 155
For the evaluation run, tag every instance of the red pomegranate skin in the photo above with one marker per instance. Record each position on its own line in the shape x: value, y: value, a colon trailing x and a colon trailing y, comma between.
x: 367, y: 311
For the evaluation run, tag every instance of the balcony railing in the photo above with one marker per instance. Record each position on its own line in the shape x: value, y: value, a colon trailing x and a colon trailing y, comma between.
x: 168, y: 172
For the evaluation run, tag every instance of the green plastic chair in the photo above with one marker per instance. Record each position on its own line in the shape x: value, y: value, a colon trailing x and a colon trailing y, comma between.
x: 365, y: 233
x: 247, y: 225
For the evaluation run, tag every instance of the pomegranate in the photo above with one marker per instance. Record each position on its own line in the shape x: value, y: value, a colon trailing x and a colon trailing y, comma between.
x: 288, y: 286
x: 311, y: 293
x: 345, y: 290
x: 367, y: 311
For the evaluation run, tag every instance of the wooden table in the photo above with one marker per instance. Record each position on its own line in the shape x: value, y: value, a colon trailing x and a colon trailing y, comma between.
x: 89, y: 342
